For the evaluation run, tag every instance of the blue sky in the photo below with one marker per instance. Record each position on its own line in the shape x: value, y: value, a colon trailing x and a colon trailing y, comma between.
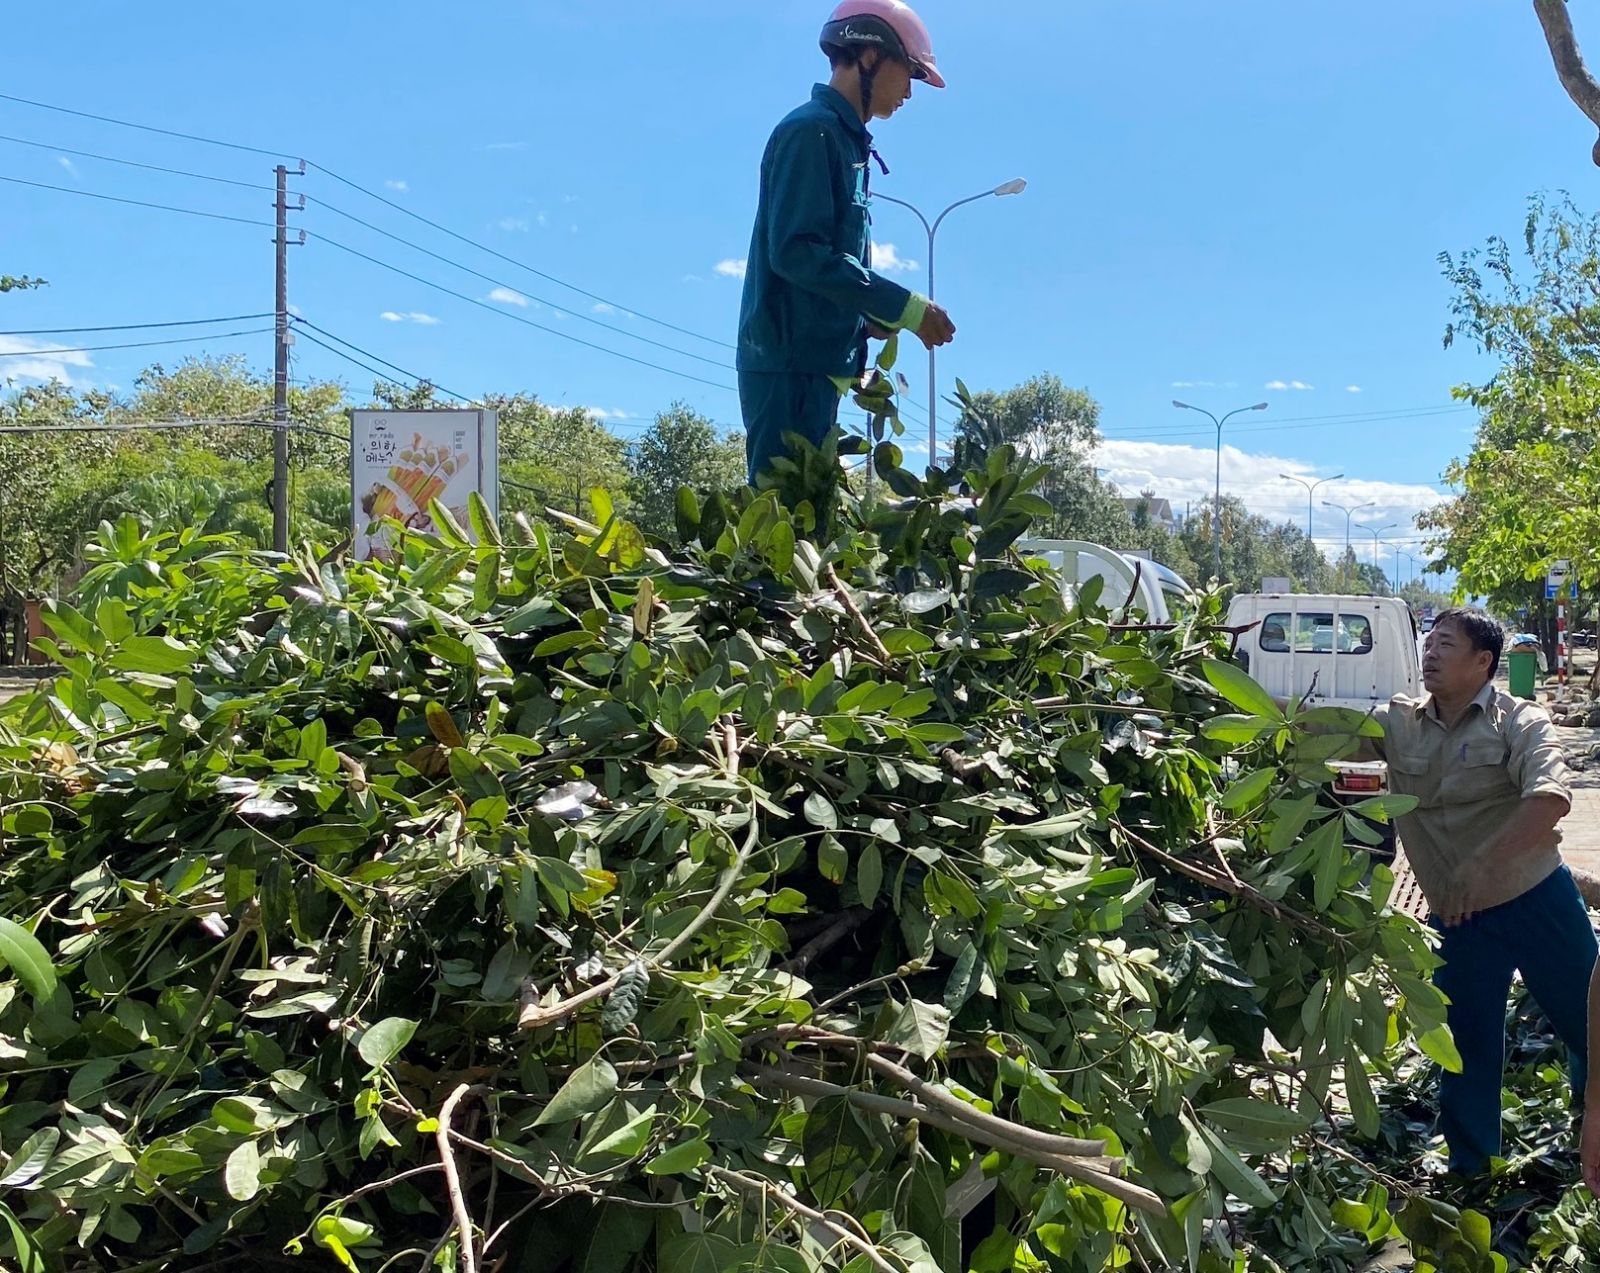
x: 1222, y: 199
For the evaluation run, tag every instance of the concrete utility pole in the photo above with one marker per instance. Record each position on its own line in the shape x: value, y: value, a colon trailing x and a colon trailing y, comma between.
x: 280, y: 373
x: 283, y: 338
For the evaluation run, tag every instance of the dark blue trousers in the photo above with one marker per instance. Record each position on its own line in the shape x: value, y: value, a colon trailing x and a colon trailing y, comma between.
x: 1546, y: 936
x: 775, y: 403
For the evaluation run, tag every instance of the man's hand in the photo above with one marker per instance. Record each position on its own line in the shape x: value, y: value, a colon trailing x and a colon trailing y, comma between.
x: 1469, y: 897
x: 936, y: 329
x: 1590, y: 1143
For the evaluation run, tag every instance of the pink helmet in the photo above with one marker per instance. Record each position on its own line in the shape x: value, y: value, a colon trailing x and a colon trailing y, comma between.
x: 890, y: 25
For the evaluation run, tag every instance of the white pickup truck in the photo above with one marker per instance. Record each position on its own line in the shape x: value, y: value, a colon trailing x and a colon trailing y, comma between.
x: 1332, y: 651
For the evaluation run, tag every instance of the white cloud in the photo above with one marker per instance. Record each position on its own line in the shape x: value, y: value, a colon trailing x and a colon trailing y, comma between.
x: 512, y: 225
x: 1352, y: 388
x: 1194, y: 384
x: 1187, y: 475
x: 733, y: 267
x: 569, y: 198
x: 40, y: 361
x: 600, y: 307
x: 399, y: 187
x: 505, y: 296
x: 505, y: 145
x: 409, y: 316
x: 1288, y: 384
x: 70, y: 167
x: 610, y: 413
x: 543, y: 219
x: 888, y: 261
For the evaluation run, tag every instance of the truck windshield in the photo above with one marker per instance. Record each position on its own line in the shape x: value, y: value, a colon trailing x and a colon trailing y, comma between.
x: 1312, y: 633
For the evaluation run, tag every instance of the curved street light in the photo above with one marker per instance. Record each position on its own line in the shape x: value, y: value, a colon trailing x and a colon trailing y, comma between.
x: 1311, y: 490
x: 1349, y: 511
x: 1216, y: 501
x: 1015, y: 186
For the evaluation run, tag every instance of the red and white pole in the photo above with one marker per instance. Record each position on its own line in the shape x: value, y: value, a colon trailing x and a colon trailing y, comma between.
x: 1561, y: 637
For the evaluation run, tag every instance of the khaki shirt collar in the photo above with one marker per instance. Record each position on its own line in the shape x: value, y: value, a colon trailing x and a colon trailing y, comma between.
x: 1426, y: 705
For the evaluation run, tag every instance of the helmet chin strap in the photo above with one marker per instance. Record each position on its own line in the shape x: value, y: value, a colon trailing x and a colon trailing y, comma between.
x: 867, y: 76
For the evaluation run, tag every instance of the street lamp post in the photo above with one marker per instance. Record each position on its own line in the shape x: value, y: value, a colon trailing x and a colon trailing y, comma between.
x: 1311, y: 490
x: 1349, y: 511
x: 1216, y: 501
x: 1015, y: 186
x: 1375, y: 531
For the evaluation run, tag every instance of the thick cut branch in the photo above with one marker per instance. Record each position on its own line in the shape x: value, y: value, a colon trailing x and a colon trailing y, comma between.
x: 827, y: 939
x: 1095, y: 1172
x: 467, y: 1241
x: 1570, y: 69
x: 863, y: 624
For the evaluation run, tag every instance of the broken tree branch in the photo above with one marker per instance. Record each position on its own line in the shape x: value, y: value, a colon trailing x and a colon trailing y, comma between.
x: 467, y: 1242
x: 1570, y: 69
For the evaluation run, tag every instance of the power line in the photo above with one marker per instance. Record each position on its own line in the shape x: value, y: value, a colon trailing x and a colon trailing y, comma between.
x: 137, y: 203
x: 366, y: 353
x: 133, y: 327
x: 517, y: 318
x: 371, y: 194
x: 511, y: 260
x: 489, y: 278
x: 137, y: 344
x: 350, y: 358
x: 148, y: 128
x: 133, y: 163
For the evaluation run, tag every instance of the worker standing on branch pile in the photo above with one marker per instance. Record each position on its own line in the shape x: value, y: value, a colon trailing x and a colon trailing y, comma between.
x: 811, y: 297
x: 1491, y: 785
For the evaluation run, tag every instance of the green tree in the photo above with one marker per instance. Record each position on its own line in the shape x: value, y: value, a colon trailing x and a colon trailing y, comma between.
x: 18, y: 283
x: 681, y: 448
x: 1058, y: 427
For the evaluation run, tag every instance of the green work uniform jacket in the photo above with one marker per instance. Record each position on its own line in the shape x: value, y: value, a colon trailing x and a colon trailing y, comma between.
x: 808, y: 283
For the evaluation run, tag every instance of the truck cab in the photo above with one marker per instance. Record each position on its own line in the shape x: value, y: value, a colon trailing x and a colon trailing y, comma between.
x: 1153, y: 590
x: 1332, y: 651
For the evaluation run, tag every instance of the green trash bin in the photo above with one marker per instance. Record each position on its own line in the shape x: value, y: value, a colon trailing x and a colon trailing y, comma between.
x: 1523, y: 666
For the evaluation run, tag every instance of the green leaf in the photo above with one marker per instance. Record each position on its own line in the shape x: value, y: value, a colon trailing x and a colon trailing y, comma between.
x: 920, y: 1028
x: 681, y: 1158
x: 329, y: 839
x: 1255, y: 1119
x: 630, y: 1138
x: 1236, y: 729
x: 1440, y: 1047
x: 28, y: 1163
x: 836, y: 1148
x: 1358, y: 1087
x: 832, y: 860
x: 591, y: 1085
x: 770, y: 1257
x: 30, y: 1256
x: 1235, y: 1175
x: 157, y: 655
x: 1235, y: 685
x: 686, y: 514
x: 1248, y: 789
x: 905, y: 641
x: 698, y: 1252
x: 384, y: 1041
x: 820, y: 812
x: 23, y: 953
x: 241, y: 1174
x: 869, y: 873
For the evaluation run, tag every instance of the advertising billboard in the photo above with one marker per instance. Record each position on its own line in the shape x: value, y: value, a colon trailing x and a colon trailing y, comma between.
x: 401, y: 461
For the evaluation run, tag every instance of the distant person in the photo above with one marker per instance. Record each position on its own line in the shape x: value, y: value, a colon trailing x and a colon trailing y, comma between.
x: 811, y: 297
x: 1491, y: 785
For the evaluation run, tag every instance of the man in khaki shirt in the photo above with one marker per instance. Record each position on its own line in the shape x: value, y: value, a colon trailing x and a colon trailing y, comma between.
x: 1490, y: 783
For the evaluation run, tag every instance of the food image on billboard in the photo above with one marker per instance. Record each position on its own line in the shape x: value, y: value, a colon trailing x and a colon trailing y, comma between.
x: 402, y: 461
